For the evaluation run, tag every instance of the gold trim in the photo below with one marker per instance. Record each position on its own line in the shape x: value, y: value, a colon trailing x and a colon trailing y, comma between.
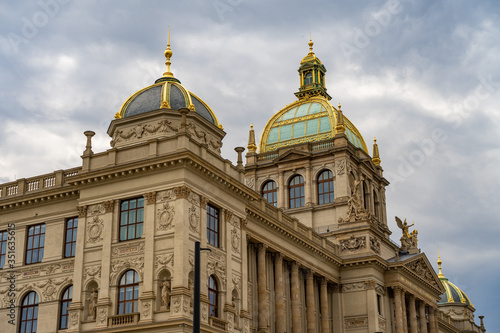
x: 127, y: 102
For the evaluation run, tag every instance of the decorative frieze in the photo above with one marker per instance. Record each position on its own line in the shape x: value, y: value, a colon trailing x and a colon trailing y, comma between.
x: 355, y: 286
x: 163, y: 196
x: 353, y: 244
x: 182, y: 192
x: 355, y: 322
x: 136, y: 263
x: 164, y: 260
x: 92, y: 272
x: 49, y: 287
x: 128, y: 250
x: 375, y: 244
x: 420, y: 268
x: 143, y: 130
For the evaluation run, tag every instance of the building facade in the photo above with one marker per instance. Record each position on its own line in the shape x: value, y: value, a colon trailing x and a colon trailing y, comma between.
x: 298, y: 234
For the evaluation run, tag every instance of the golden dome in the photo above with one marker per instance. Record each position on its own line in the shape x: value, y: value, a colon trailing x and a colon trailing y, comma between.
x: 453, y: 294
x: 307, y: 120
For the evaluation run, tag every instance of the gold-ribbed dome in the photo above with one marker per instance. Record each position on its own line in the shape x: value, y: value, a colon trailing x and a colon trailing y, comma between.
x: 308, y: 120
x: 453, y: 294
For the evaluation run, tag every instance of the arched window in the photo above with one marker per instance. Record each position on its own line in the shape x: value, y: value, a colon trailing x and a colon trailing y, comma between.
x: 308, y: 79
x: 128, y: 292
x: 65, y: 303
x: 29, y: 313
x: 366, y: 196
x: 213, y: 296
x: 270, y: 192
x: 296, y: 191
x: 325, y: 187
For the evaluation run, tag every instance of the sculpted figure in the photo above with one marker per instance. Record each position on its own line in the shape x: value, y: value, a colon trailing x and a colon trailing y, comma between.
x: 165, y: 293
x: 92, y: 299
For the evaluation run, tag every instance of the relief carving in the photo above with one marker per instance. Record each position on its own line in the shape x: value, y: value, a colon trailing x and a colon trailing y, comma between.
x: 49, y: 269
x: 136, y: 263
x: 194, y: 218
x: 95, y: 209
x: 146, y: 309
x: 94, y: 230
x: 204, y: 312
x: 355, y: 209
x: 353, y: 244
x: 92, y: 271
x: 200, y: 134
x: 127, y: 250
x: 375, y: 244
x: 420, y: 268
x: 176, y: 304
x: 217, y: 267
x: 102, y: 316
x: 50, y: 290
x: 236, y: 282
x: 341, y: 168
x: 250, y: 182
x: 235, y: 239
x: 74, y: 318
x: 353, y: 286
x: 140, y: 130
x: 164, y: 259
x: 165, y: 196
x: 204, y: 202
x: 165, y: 217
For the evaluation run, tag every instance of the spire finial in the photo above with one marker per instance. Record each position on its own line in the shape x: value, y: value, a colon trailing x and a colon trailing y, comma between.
x: 376, y: 156
x: 310, y: 44
x: 168, y: 55
x: 340, y: 128
x: 252, y: 148
x: 439, y: 262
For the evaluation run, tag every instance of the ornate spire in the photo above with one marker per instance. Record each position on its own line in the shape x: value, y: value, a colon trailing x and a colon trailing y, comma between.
x: 252, y: 148
x: 168, y: 75
x: 439, y: 262
x: 376, y: 157
x: 168, y: 55
x: 340, y: 128
x: 310, y: 45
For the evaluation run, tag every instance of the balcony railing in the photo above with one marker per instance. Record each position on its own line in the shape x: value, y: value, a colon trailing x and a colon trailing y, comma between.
x: 36, y: 184
x: 124, y: 319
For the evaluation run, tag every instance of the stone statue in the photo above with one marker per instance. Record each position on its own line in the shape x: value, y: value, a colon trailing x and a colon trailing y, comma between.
x: 92, y: 299
x: 355, y: 209
x: 165, y: 293
x: 409, y: 241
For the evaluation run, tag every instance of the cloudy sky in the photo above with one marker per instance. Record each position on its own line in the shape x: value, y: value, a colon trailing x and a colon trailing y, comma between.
x: 421, y: 76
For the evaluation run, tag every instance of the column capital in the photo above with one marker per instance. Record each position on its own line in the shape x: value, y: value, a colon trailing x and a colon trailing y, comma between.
x: 397, y: 290
x: 278, y: 256
x: 150, y: 197
x: 261, y: 247
x: 412, y: 297
x: 309, y: 273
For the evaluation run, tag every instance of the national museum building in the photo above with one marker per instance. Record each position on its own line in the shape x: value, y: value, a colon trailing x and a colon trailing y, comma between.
x: 298, y: 234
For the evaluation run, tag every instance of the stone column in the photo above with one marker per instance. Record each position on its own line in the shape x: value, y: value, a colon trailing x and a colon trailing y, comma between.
x: 405, y: 315
x: 279, y: 302
x: 147, y: 293
x: 308, y: 187
x: 325, y: 313
x: 311, y: 320
x: 399, y: 309
x: 432, y: 321
x: 296, y: 319
x: 281, y: 190
x: 413, y: 315
x: 423, y: 321
x: 262, y: 292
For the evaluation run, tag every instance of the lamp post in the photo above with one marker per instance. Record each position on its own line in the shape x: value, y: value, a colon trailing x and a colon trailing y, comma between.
x: 196, y: 298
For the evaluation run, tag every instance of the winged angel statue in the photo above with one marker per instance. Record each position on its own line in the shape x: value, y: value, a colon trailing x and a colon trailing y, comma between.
x: 409, y: 240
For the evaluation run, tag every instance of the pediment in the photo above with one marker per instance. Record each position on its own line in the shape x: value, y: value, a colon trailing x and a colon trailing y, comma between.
x: 292, y: 155
x: 420, y: 266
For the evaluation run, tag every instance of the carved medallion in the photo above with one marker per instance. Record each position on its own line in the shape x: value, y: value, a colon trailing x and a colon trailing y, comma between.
x: 94, y: 230
x: 165, y: 217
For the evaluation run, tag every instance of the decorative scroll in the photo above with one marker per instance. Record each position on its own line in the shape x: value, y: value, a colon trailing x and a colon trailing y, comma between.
x: 353, y: 244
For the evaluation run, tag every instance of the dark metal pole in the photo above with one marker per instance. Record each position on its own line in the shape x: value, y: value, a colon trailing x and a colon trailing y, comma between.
x: 196, y: 298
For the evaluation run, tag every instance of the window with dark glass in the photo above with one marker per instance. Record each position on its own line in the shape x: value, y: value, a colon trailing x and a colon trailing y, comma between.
x: 65, y: 303
x: 131, y: 218
x: 296, y: 191
x: 128, y: 292
x: 376, y: 205
x: 29, y: 313
x: 366, y: 196
x: 35, y: 243
x: 70, y: 237
x: 213, y: 225
x: 325, y: 187
x: 308, y: 78
x: 213, y: 296
x: 270, y: 192
x: 3, y: 247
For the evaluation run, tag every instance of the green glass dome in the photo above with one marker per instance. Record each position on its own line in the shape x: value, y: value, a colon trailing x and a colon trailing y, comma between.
x: 308, y: 120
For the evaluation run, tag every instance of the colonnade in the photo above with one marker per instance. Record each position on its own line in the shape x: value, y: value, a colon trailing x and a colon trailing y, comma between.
x: 297, y: 318
x: 410, y: 313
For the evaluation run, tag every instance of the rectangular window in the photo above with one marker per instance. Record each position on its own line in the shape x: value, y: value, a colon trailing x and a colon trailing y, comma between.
x: 213, y: 225
x: 3, y: 247
x: 131, y: 218
x: 70, y: 237
x: 35, y: 243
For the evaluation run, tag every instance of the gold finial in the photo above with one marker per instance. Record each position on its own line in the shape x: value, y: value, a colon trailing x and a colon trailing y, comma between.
x: 252, y: 148
x: 340, y: 128
x: 310, y: 44
x: 439, y: 262
x: 376, y: 157
x: 168, y: 55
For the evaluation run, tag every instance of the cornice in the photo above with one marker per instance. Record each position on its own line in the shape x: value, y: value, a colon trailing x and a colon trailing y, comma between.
x: 45, y: 197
